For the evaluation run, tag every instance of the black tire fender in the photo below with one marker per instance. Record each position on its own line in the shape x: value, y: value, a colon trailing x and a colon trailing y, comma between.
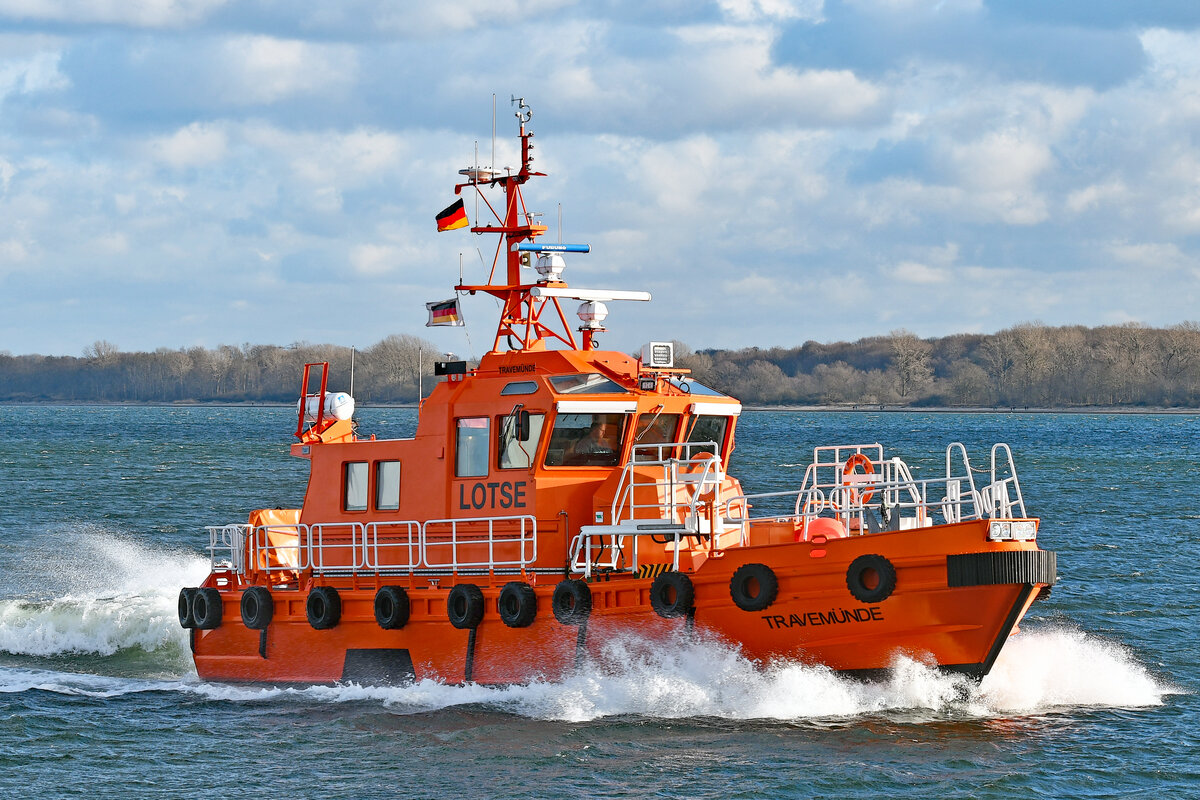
x: 571, y: 602
x: 257, y: 608
x: 186, y: 620
x: 753, y: 587
x: 391, y: 608
x: 464, y: 606
x: 517, y: 604
x: 206, y: 608
x: 672, y: 594
x: 871, y: 578
x: 323, y: 607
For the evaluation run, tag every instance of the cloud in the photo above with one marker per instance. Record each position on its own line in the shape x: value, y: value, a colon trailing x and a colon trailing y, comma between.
x: 779, y: 10
x: 38, y: 72
x: 263, y: 70
x: 135, y: 13
x: 832, y: 157
x: 195, y: 145
x: 913, y: 272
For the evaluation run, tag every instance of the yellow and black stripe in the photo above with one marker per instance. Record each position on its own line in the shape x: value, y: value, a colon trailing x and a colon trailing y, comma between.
x: 652, y: 570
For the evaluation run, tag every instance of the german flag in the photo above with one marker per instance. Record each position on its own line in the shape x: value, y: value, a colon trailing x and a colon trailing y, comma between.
x: 444, y: 313
x: 453, y: 217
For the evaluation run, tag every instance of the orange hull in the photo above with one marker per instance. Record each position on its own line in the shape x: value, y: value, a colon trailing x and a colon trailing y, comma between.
x: 814, y: 618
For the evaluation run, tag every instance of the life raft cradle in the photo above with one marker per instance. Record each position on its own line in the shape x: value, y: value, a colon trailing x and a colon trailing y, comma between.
x: 674, y: 494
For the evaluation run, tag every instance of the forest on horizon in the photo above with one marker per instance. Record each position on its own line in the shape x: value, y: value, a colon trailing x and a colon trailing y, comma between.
x: 1028, y: 365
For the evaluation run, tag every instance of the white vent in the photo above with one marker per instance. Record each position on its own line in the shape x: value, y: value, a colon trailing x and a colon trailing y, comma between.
x: 658, y: 355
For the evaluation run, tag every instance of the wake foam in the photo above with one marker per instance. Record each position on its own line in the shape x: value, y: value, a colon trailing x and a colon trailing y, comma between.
x: 1040, y: 671
x: 109, y: 595
x: 99, y: 594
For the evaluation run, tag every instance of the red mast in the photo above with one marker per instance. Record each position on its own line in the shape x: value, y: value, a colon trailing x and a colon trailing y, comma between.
x: 521, y: 326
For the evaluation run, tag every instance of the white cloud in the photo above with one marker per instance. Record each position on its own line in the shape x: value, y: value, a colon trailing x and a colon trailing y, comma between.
x: 780, y: 10
x: 374, y: 259
x: 263, y: 69
x: 31, y: 74
x: 913, y: 272
x: 1173, y: 54
x: 196, y: 145
x: 135, y: 13
x: 1097, y: 195
x: 730, y: 68
x: 13, y: 250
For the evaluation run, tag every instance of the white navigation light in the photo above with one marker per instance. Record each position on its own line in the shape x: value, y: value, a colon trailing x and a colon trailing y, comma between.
x: 593, y: 313
x: 658, y: 355
x: 550, y: 266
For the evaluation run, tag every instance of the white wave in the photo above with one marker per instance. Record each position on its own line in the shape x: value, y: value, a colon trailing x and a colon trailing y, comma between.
x: 1038, y: 672
x: 110, y: 594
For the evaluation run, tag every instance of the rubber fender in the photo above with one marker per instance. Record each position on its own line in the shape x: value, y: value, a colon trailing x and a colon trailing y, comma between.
x: 672, y: 594
x: 571, y: 602
x: 871, y: 578
x: 206, y: 609
x: 753, y: 587
x: 517, y: 604
x: 257, y: 608
x: 323, y: 607
x: 391, y: 608
x: 464, y: 606
x: 186, y: 620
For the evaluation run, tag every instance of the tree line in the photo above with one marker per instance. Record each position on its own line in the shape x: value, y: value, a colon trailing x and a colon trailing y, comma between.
x: 1030, y: 364
x: 1027, y: 365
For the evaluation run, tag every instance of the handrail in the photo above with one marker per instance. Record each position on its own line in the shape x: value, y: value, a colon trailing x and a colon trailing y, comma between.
x: 373, y: 547
x: 702, y: 470
x: 894, y: 491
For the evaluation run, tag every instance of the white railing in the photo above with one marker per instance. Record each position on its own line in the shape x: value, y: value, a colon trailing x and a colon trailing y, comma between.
x: 889, y: 497
x: 525, y: 538
x: 227, y: 540
x: 391, y: 546
x: 676, y: 487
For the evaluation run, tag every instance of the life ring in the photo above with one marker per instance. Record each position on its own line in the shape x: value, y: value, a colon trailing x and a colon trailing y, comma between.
x: 672, y: 594
x: 257, y: 608
x: 323, y: 607
x: 871, y: 578
x: 753, y: 587
x: 186, y: 620
x: 206, y: 608
x: 464, y: 606
x: 857, y: 460
x: 517, y: 604
x: 571, y: 602
x: 391, y: 608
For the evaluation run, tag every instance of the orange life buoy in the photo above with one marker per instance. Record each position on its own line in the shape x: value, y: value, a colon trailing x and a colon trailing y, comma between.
x: 857, y: 460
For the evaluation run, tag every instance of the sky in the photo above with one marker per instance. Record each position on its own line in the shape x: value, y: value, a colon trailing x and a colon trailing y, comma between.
x: 177, y: 173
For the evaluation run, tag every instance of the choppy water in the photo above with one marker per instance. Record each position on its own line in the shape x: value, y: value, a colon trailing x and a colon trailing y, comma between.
x: 1096, y: 697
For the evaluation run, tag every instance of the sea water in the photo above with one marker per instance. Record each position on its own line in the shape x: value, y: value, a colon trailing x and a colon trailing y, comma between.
x: 102, y: 524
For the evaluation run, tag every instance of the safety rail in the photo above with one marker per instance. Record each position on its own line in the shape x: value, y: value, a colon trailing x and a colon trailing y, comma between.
x: 885, y: 495
x: 376, y: 547
x: 229, y: 539
x: 522, y: 539
x: 653, y: 471
x: 603, y: 547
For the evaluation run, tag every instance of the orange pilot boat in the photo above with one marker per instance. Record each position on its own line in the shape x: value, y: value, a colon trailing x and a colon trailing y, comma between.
x: 558, y: 495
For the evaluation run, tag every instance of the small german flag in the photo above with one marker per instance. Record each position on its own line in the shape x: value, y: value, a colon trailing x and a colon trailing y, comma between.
x: 453, y: 217
x: 444, y: 313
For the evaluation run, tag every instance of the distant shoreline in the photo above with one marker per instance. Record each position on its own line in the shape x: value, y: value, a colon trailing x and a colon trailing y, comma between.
x: 861, y: 408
